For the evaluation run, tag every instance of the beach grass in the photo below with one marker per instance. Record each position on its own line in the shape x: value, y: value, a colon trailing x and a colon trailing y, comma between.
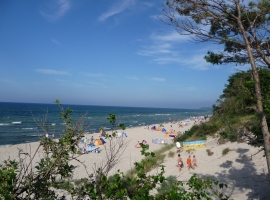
x: 155, y: 162
x: 209, y: 152
x: 171, y: 154
x: 225, y: 151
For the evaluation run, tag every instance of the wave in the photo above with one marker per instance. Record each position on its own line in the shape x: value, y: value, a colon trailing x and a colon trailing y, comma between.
x: 4, y: 124
x: 29, y: 128
x: 16, y: 122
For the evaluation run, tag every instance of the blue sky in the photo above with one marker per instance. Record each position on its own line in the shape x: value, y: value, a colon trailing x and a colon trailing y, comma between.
x: 115, y: 53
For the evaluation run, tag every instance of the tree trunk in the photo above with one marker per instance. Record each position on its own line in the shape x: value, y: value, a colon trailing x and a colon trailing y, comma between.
x: 263, y: 123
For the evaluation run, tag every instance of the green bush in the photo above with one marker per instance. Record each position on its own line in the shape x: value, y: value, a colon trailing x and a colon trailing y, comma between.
x: 166, y: 186
x: 225, y: 151
x: 209, y: 152
x: 171, y: 154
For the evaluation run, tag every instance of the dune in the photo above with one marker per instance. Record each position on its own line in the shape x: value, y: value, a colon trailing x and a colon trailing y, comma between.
x: 243, y: 169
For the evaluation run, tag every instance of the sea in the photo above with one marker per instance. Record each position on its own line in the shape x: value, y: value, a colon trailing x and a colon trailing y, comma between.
x: 20, y: 122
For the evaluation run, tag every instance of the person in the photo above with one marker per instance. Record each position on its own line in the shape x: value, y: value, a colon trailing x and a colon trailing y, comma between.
x: 179, y: 163
x: 144, y: 142
x: 102, y: 132
x: 194, y: 161
x: 92, y: 141
x: 138, y: 145
x: 189, y: 163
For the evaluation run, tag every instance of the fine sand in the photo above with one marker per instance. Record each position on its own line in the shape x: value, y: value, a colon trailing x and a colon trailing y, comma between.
x: 245, y: 175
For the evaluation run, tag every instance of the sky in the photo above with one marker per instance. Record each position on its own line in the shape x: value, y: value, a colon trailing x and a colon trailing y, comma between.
x: 111, y: 52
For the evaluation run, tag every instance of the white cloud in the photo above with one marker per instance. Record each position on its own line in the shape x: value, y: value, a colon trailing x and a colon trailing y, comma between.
x: 171, y: 48
x: 52, y: 72
x: 156, y: 49
x: 119, y: 7
x: 56, y: 9
x: 173, y: 36
x: 158, y: 79
x: 55, y: 41
x: 196, y: 61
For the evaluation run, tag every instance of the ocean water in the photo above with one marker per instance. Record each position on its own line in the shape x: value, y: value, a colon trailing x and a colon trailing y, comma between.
x: 19, y: 121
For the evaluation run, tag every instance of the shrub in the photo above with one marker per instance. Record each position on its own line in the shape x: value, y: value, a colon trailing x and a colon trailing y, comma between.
x: 166, y: 185
x: 171, y: 154
x: 225, y: 151
x: 209, y: 152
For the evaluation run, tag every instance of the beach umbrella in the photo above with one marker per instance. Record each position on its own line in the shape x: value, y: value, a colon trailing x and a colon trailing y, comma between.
x: 98, y: 142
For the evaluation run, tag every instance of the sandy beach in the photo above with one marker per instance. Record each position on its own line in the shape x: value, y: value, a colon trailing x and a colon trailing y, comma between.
x: 246, y: 175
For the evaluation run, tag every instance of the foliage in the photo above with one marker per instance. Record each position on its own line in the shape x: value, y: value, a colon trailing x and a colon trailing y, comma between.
x: 52, y: 174
x: 209, y: 152
x: 225, y: 151
x: 156, y: 160
x: 166, y: 186
x: 243, y: 28
x: 8, y: 173
x: 199, y: 132
x: 234, y: 114
x: 238, y: 96
x: 234, y: 24
x: 238, y: 101
x: 171, y: 154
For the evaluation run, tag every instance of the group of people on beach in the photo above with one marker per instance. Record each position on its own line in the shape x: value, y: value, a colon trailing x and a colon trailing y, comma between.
x: 191, y: 163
